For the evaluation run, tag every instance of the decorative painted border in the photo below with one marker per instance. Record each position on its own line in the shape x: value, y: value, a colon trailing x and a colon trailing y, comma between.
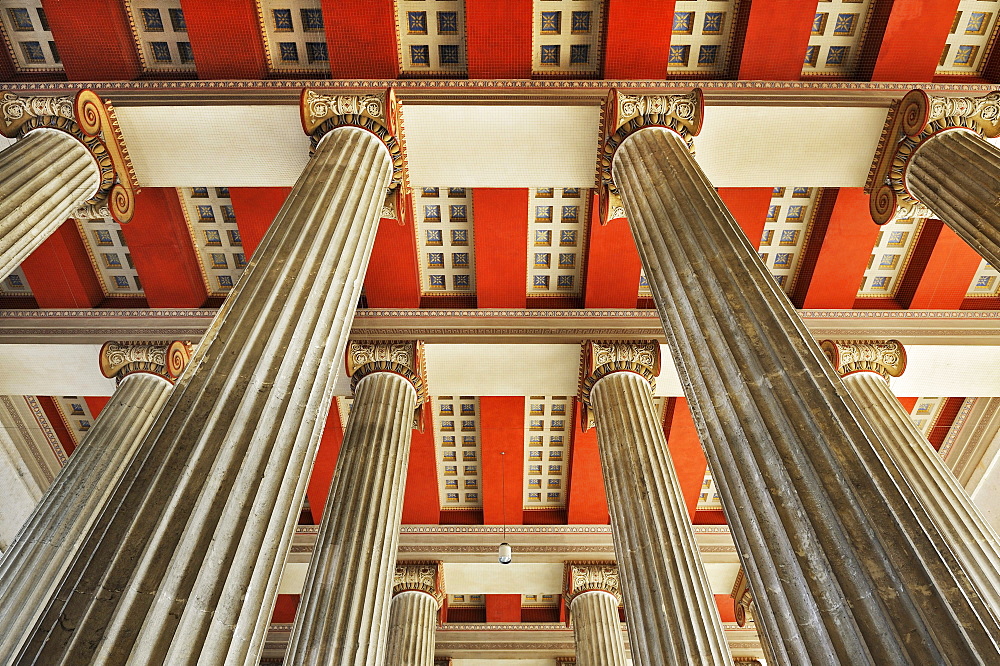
x: 46, y: 428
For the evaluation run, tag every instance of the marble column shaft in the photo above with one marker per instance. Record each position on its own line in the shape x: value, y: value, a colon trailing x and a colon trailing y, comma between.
x: 671, y: 611
x: 30, y: 570
x: 44, y: 178
x: 597, y: 630
x: 183, y: 566
x: 845, y: 565
x: 343, y: 617
x: 974, y: 542
x: 956, y: 173
x: 413, y: 619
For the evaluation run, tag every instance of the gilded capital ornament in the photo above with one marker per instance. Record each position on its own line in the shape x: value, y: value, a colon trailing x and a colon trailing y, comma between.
x: 419, y: 577
x: 883, y: 357
x: 625, y: 113
x: 603, y: 357
x: 913, y: 120
x: 92, y: 121
x: 374, y: 111
x: 742, y: 599
x: 163, y: 359
x: 591, y: 577
x: 401, y: 357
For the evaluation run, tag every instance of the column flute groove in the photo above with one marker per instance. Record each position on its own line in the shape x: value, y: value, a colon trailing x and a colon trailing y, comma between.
x: 808, y: 500
x: 417, y: 595
x: 593, y: 594
x: 183, y: 566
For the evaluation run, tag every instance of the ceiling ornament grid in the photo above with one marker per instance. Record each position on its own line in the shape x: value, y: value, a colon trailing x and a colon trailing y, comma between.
x: 986, y: 282
x: 890, y: 257
x: 556, y: 240
x: 467, y: 600
x: 27, y: 37
x: 294, y: 35
x: 110, y: 256
x: 708, y: 498
x: 430, y: 37
x: 548, y: 424
x: 15, y: 284
x: 701, y: 36
x: 566, y: 37
x: 445, y: 240
x: 789, y: 221
x: 972, y: 35
x: 76, y: 415
x: 457, y: 440
x: 837, y: 35
x: 926, y: 412
x: 160, y: 34
x: 212, y: 225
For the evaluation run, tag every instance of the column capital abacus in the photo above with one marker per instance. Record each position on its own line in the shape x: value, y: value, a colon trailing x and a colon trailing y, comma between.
x: 883, y: 357
x: 91, y: 121
x: 591, y: 577
x: 604, y: 357
x: 425, y: 577
x: 913, y: 120
x: 376, y: 111
x: 163, y: 359
x: 623, y: 114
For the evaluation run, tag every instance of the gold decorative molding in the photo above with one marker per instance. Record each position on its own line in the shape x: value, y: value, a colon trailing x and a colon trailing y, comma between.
x: 884, y: 357
x: 916, y: 118
x: 742, y: 599
x: 419, y: 577
x: 377, y: 112
x: 626, y: 113
x: 92, y: 122
x: 604, y: 357
x: 163, y: 359
x: 591, y: 577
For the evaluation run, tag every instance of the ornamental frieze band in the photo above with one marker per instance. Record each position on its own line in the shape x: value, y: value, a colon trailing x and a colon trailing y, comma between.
x: 884, y: 357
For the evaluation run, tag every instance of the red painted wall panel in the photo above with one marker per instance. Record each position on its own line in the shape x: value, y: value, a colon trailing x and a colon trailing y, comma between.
x: 226, y: 39
x: 94, y: 39
x: 97, y: 404
x: 255, y: 209
x: 285, y: 606
x: 777, y: 34
x: 393, y: 279
x: 500, y: 230
x: 53, y: 414
x: 749, y: 205
x: 160, y: 244
x: 421, y: 504
x: 60, y: 272
x: 685, y: 451
x: 587, y: 503
x: 914, y: 39
x: 326, y: 463
x: 361, y: 39
x: 638, y: 38
x: 503, y: 607
x: 501, y: 430
x: 499, y: 38
x: 947, y: 274
x: 613, y: 265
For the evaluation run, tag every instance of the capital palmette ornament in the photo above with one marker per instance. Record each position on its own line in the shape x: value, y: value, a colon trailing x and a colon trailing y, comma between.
x: 625, y: 113
x: 883, y: 357
x: 164, y: 359
x: 425, y: 577
x: 92, y: 121
x: 591, y: 577
x: 401, y: 357
x: 603, y: 357
x: 916, y: 118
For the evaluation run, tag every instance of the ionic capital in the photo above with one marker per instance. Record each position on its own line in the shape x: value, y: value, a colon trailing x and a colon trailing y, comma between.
x: 163, y: 359
x: 401, y: 357
x: 915, y: 119
x: 742, y: 599
x: 626, y: 113
x: 604, y: 357
x: 591, y: 577
x: 374, y: 111
x: 883, y: 357
x: 425, y: 577
x: 92, y: 122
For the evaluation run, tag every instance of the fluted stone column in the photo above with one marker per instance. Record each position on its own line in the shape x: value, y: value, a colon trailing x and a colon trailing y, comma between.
x: 937, y: 158
x: 593, y: 594
x: 845, y: 564
x: 417, y: 594
x: 183, y: 565
x: 343, y: 617
x: 658, y: 557
x: 30, y: 570
x: 865, y: 366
